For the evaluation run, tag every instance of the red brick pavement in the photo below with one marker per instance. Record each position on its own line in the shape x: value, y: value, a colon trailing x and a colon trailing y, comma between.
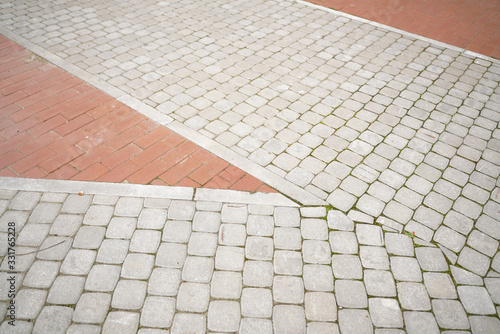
x: 470, y: 24
x: 55, y: 126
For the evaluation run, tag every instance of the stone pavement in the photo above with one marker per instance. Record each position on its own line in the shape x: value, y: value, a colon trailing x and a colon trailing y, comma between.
x: 118, y: 258
x: 387, y: 143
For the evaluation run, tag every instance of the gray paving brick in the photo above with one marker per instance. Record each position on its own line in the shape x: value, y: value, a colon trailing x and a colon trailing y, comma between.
x: 89, y: 237
x: 53, y: 319
x: 339, y: 221
x: 137, y: 266
x: 206, y: 221
x: 259, y: 248
x: 78, y: 262
x: 347, y: 267
x: 450, y: 314
x: 399, y: 244
x: 189, y: 323
x: 316, y: 252
x: 223, y: 316
x: 379, y: 283
x: 157, y: 312
x: 129, y: 295
x: 440, y: 285
x: 474, y: 261
x: 122, y: 322
x: 44, y: 213
x: 385, y: 312
x: 25, y: 201
x: 481, y: 324
x: 256, y: 302
x: 420, y: 322
x: 113, y: 251
x: 92, y: 308
x: 66, y: 290
x: 202, y: 244
x: 33, y: 234
x: 289, y: 319
x: 198, y: 269
x: 369, y: 235
x: 413, y: 296
x: 355, y: 321
x: 29, y: 303
x: 343, y: 242
x: 374, y: 257
x: 431, y: 259
x: 145, y: 241
x: 232, y: 234
x: 320, y: 306
x: 476, y: 300
x: 153, y: 218
x: 482, y: 243
x: 177, y: 231
x: 258, y: 273
x: 351, y: 294
x: 75, y: 204
x: 405, y: 269
x: 98, y: 215
x: 233, y: 213
x: 260, y: 225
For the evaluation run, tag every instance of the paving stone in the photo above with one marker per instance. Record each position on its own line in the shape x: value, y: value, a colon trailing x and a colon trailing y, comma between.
x: 198, y: 269
x: 53, y: 319
x: 355, y: 322
x: 462, y: 276
x: 484, y: 324
x: 476, y: 300
x: 102, y: 278
x: 341, y: 199
x: 78, y: 262
x: 256, y: 325
x: 399, y: 244
x: 316, y: 252
x: 121, y: 228
x: 145, y: 241
x: 258, y: 273
x: 234, y: 213
x: 289, y: 319
x: 75, y: 204
x: 177, y: 231
x: 129, y: 206
x: 122, y: 322
x: 55, y: 248
x: 129, y: 295
x: 346, y: 267
x: 474, y: 261
x: 206, y: 221
x: 232, y: 234
x: 202, y: 244
x: 420, y: 322
x: 92, y: 308
x: 66, y: 290
x: 25, y: 201
x: 315, y: 229
x: 379, y: 283
x: 339, y: 221
x: 226, y: 285
x: 482, y: 243
x: 369, y: 235
x: 181, y: 210
x: 98, y: 215
x: 90, y: 329
x: 256, y: 302
x: 89, y: 237
x: 458, y: 222
x: 229, y: 258
x: 259, y: 248
x: 288, y: 289
x: 450, y: 314
x: 287, y: 238
x: 440, y: 285
x: 223, y: 316
x: 351, y: 294
x: 45, y: 213
x: 193, y: 297
x: 137, y: 266
x: 33, y: 234
x: 164, y: 282
x: 152, y: 219
x: 287, y: 263
x: 431, y: 259
x: 488, y: 225
x: 29, y: 302
x: 449, y: 238
x: 374, y: 257
x: 260, y: 225
x: 413, y: 296
x: 113, y: 251
x: 343, y: 242
x: 320, y: 306
x: 385, y: 312
x: 188, y: 323
x: 286, y: 217
x: 405, y: 269
x: 157, y: 312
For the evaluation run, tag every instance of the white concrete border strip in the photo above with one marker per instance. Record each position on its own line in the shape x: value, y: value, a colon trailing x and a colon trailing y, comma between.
x: 149, y: 191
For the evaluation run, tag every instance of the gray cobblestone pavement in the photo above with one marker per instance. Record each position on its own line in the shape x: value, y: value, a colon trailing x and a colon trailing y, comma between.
x: 397, y: 134
x: 110, y: 258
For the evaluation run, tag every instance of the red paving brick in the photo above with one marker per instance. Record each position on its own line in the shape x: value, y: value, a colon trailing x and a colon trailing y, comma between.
x: 55, y: 126
x: 470, y: 24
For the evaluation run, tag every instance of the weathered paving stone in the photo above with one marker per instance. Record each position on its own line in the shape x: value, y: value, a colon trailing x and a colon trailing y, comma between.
x: 129, y: 295
x: 164, y: 282
x: 121, y: 227
x: 157, y: 312
x: 137, y: 266
x: 226, y: 285
x: 223, y: 316
x: 385, y: 312
x: 379, y: 283
x: 431, y: 259
x: 66, y: 290
x: 193, y: 297
x: 476, y: 300
x: 413, y: 296
x: 122, y: 322
x: 258, y: 273
x: 30, y: 302
x: 320, y: 306
x: 256, y: 303
x: 289, y: 319
x: 129, y: 206
x: 98, y: 215
x: 420, y: 322
x: 450, y: 314
x: 152, y: 219
x: 287, y: 238
x: 53, y: 319
x: 113, y: 251
x: 188, y: 323
x: 440, y: 285
x: 92, y: 308
x: 399, y: 244
x: 406, y: 269
x: 355, y: 321
x: 255, y: 325
x: 288, y: 289
x: 102, y: 278
x: 347, y: 267
x: 474, y: 261
x: 483, y: 324
x: 343, y: 242
x: 78, y: 262
x: 198, y: 269
x: 351, y: 294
